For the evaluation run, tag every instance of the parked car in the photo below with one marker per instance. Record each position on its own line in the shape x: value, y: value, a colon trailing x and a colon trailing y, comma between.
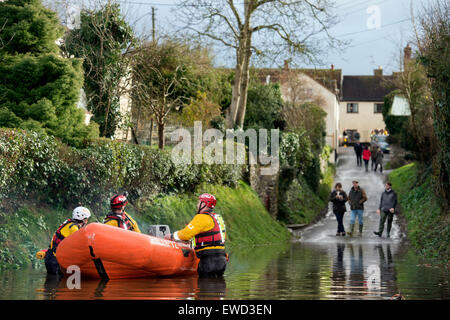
x: 381, y: 141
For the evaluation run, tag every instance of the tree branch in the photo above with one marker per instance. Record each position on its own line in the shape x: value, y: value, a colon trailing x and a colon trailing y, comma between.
x: 236, y: 14
x: 214, y: 38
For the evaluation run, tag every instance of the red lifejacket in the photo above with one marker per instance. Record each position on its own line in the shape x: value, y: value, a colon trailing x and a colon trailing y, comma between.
x: 58, y: 237
x: 211, y: 238
x: 122, y: 220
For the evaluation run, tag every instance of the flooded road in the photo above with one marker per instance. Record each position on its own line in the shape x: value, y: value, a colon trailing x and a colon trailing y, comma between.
x: 296, y: 271
x: 373, y: 184
x: 317, y: 266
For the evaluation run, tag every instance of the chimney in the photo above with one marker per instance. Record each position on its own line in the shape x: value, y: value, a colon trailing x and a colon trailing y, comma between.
x: 407, y: 56
x: 286, y: 65
x: 378, y: 72
x: 407, y: 52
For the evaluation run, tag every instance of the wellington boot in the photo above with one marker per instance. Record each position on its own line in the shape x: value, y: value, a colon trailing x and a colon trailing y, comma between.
x: 360, y: 229
x: 352, y: 228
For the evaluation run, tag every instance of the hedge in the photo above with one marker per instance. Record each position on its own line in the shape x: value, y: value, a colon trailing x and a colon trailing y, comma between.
x: 35, y: 167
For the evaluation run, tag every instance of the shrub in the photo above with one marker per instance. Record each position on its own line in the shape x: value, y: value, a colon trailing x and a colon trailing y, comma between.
x: 39, y: 168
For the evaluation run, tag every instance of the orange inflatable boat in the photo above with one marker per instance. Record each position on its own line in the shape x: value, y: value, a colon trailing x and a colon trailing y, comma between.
x: 106, y: 252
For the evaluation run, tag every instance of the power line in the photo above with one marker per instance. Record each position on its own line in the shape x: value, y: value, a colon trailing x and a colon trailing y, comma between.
x: 366, y: 42
x: 242, y: 3
x: 367, y: 30
x: 358, y: 10
x: 352, y: 4
x: 146, y: 3
x: 160, y: 4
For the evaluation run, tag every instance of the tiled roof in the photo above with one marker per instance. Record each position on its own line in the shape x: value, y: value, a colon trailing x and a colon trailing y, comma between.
x: 329, y: 78
x: 366, y: 88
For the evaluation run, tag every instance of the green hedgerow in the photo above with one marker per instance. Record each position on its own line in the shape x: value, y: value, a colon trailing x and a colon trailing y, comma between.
x: 38, y: 167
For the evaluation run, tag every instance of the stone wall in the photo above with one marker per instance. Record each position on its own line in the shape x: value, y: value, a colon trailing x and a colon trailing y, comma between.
x: 266, y: 186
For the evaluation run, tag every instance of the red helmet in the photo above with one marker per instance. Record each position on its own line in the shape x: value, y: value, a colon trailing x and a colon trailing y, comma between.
x: 208, y: 199
x: 118, y: 201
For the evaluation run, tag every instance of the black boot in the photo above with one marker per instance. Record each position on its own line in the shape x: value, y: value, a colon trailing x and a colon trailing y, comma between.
x: 377, y: 233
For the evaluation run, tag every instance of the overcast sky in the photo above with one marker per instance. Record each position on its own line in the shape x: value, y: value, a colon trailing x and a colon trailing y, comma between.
x: 369, y: 47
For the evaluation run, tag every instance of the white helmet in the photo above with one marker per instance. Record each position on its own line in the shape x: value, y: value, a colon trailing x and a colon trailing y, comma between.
x: 80, y: 213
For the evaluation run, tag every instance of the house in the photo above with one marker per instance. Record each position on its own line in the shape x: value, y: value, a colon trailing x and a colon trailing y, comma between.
x: 303, y: 85
x: 362, y: 102
x: 81, y: 104
x: 123, y: 131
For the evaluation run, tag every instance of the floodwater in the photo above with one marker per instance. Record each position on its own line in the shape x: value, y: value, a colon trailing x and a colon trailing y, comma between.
x: 317, y: 266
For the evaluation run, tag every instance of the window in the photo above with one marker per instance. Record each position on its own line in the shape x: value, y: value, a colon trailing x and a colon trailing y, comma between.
x: 377, y: 107
x: 352, y: 108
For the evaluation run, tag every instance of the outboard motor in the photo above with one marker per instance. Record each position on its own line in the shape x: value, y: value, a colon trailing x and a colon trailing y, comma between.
x: 159, y: 230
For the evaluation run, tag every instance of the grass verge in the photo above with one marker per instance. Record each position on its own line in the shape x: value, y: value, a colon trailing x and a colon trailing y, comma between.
x: 428, y: 227
x: 248, y: 223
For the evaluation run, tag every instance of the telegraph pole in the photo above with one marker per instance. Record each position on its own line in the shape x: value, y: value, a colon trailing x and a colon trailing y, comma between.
x: 153, y: 24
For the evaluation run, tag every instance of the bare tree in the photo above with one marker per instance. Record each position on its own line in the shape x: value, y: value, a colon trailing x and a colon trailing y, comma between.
x: 158, y: 78
x: 415, y: 86
x: 265, y: 27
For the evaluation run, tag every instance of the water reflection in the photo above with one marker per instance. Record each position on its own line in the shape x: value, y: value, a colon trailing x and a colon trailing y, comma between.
x: 343, y: 270
x: 338, y: 277
x: 356, y: 283
x: 376, y: 278
x: 388, y: 275
x: 51, y: 286
x: 55, y: 288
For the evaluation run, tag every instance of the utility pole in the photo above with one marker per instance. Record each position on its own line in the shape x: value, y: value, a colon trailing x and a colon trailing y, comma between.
x: 153, y: 24
x: 153, y: 39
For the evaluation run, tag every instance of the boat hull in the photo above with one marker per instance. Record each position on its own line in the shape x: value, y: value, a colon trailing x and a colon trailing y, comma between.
x: 103, y: 251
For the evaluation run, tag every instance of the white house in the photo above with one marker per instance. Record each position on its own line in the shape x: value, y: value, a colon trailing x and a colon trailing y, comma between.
x: 323, y: 83
x: 361, y: 103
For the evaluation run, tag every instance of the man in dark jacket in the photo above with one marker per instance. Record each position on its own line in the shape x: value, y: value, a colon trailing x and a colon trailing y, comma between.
x: 356, y: 197
x: 373, y: 155
x: 379, y: 160
x: 338, y: 197
x: 358, y: 150
x: 386, y: 209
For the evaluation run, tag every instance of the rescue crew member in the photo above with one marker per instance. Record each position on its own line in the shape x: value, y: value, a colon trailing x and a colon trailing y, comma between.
x: 80, y: 216
x: 118, y: 217
x: 208, y: 230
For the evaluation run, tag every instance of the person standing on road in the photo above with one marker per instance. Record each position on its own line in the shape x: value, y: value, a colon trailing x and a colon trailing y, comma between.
x: 338, y: 197
x: 366, y: 157
x: 373, y: 155
x: 379, y: 160
x: 358, y: 151
x: 386, y: 209
x: 356, y: 197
